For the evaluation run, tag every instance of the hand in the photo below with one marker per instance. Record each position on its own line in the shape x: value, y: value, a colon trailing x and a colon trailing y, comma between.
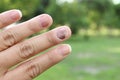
x: 16, y: 51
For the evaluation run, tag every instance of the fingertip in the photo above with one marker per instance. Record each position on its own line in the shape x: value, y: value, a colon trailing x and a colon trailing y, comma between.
x: 64, y: 49
x: 46, y: 20
x: 16, y: 14
x: 19, y: 13
x: 49, y: 18
x: 69, y: 48
x: 63, y: 32
x: 69, y: 32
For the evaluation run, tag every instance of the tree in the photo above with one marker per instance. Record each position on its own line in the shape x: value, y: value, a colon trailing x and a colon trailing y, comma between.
x: 28, y: 8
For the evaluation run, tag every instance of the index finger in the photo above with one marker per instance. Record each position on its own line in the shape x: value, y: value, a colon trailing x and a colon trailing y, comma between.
x: 9, y: 17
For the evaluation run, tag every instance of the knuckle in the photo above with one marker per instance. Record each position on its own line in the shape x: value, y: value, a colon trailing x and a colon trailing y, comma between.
x: 26, y: 50
x: 1, y: 22
x: 33, y: 70
x: 51, y: 39
x: 9, y: 38
x: 1, y: 67
x: 51, y: 59
x: 32, y: 28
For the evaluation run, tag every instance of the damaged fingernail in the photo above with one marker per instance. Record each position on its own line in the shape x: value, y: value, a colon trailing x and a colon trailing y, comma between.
x: 61, y: 33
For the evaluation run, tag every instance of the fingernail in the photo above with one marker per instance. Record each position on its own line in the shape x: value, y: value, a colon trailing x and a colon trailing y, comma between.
x: 61, y: 33
x: 65, y: 50
x: 16, y: 14
x: 44, y: 20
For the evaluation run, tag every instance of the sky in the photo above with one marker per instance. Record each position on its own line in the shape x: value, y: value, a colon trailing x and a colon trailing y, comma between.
x: 69, y: 1
x: 62, y: 1
x: 116, y: 1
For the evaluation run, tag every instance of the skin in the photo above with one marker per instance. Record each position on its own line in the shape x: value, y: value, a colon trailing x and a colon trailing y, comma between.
x: 16, y: 50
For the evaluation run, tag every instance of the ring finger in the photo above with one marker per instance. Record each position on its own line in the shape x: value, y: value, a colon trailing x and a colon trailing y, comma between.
x: 32, y: 68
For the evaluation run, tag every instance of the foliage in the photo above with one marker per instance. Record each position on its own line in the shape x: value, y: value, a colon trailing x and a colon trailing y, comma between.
x: 27, y: 7
x: 84, y: 13
x: 78, y: 14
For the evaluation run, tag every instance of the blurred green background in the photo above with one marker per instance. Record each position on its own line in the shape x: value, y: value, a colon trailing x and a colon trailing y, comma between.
x: 95, y: 41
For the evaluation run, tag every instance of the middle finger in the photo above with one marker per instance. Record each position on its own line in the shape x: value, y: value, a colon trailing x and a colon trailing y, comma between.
x: 13, y: 35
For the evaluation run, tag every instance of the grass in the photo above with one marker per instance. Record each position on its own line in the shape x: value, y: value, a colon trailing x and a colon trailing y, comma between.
x: 95, y: 59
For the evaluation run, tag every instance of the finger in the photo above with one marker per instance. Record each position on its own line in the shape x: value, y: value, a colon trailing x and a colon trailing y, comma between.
x: 9, y: 17
x: 12, y: 36
x: 28, y: 48
x: 34, y: 67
